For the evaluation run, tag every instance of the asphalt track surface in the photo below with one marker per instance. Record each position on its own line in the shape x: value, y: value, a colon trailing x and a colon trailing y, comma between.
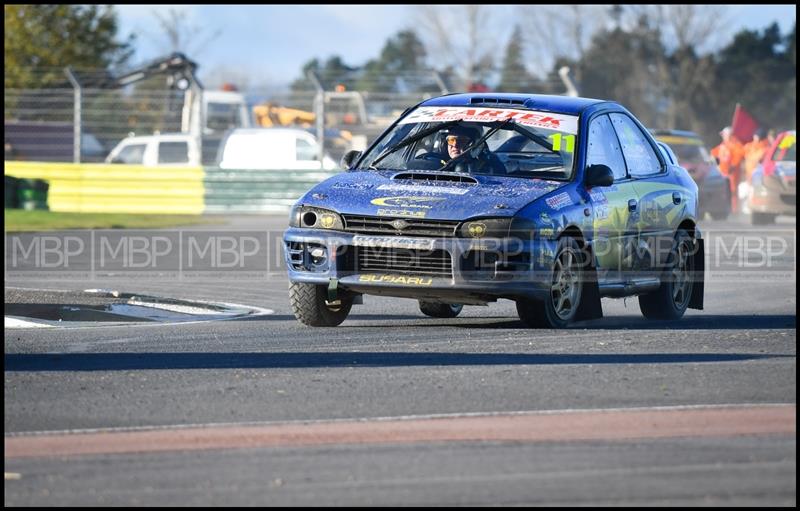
x: 394, y: 408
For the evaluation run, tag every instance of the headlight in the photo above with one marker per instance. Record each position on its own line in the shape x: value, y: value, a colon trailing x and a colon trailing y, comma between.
x: 311, y: 217
x: 485, y: 228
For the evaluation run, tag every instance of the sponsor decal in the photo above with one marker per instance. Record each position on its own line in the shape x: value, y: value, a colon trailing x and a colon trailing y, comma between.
x: 424, y: 189
x: 476, y: 229
x: 393, y: 242
x: 545, y: 218
x: 559, y: 201
x: 601, y: 211
x: 547, y: 120
x: 353, y: 186
x: 406, y: 202
x: 401, y: 212
x: 787, y: 142
x: 598, y: 197
x: 397, y: 279
x: 546, y: 232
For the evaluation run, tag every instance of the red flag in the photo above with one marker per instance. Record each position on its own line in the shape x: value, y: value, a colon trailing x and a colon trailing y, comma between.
x: 743, y: 124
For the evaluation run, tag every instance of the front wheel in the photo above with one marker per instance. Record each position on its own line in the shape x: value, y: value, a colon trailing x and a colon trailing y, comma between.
x: 310, y: 305
x: 440, y: 310
x: 671, y: 299
x: 566, y: 290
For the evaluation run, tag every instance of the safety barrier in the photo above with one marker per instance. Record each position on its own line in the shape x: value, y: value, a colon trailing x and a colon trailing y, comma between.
x: 246, y: 191
x: 102, y: 188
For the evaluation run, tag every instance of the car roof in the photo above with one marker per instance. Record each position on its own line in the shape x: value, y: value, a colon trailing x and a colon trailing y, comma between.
x: 674, y: 133
x: 550, y: 103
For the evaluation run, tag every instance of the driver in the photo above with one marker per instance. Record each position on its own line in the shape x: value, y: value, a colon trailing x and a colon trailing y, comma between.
x: 458, y: 139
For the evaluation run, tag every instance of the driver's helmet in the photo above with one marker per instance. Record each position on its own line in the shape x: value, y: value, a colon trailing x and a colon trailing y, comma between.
x: 460, y: 134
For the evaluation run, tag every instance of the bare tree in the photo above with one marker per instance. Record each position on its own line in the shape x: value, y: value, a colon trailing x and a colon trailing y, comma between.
x: 460, y: 37
x: 686, y: 32
x: 181, y: 34
x: 560, y: 31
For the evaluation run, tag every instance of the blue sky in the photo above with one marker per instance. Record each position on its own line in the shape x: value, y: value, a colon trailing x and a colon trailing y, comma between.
x: 266, y: 45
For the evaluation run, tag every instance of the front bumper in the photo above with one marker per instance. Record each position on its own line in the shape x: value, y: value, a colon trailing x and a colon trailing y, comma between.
x: 457, y: 270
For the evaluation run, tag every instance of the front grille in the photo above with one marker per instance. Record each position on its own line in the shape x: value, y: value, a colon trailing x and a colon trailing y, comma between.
x: 435, y: 263
x: 413, y: 226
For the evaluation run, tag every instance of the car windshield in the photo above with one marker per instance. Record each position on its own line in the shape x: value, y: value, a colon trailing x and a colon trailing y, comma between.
x: 493, y: 141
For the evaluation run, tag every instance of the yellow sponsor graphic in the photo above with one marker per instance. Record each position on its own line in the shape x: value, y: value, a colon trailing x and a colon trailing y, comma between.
x: 397, y: 279
x: 406, y: 202
x: 401, y: 212
x: 476, y: 229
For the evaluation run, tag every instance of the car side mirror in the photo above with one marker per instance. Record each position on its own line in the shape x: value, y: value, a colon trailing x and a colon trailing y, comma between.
x: 599, y: 175
x: 350, y: 157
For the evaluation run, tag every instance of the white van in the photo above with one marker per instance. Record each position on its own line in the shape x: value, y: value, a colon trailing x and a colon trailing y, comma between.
x: 165, y: 149
x: 271, y: 148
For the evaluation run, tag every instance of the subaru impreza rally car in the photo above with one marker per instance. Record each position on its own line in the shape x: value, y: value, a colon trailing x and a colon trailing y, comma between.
x: 550, y: 201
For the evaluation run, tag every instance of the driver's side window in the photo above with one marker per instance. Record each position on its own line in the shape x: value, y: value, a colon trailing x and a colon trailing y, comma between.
x: 603, y: 147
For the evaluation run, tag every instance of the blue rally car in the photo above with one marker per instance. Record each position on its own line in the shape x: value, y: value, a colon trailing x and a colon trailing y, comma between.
x: 550, y: 201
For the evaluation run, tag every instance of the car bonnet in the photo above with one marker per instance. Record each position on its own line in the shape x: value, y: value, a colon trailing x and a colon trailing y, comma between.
x: 423, y: 196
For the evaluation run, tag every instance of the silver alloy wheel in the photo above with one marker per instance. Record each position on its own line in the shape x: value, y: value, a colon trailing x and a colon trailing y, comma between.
x: 566, y: 288
x: 681, y: 280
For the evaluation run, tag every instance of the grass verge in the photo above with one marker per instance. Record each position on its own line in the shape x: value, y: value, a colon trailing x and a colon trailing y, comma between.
x: 18, y: 220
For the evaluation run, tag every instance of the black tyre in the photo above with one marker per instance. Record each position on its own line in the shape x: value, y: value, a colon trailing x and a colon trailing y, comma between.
x: 672, y: 298
x: 440, y: 310
x: 310, y: 305
x: 762, y: 218
x: 566, y: 289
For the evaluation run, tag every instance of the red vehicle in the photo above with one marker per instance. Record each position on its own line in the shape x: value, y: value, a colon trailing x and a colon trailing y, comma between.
x: 773, y: 189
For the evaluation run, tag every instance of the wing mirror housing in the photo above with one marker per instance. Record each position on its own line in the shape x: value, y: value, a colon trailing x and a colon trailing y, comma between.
x: 599, y: 175
x: 349, y: 158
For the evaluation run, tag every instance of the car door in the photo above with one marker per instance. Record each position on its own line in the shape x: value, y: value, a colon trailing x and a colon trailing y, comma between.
x: 659, y: 206
x: 615, y: 216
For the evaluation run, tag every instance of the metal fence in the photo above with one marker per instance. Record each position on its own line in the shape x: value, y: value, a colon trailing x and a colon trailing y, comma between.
x: 40, y: 124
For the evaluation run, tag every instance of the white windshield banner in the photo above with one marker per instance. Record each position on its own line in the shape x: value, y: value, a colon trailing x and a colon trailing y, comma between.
x: 546, y: 120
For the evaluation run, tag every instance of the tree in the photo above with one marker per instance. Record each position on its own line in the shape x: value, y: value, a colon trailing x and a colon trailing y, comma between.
x: 181, y: 35
x: 332, y: 73
x: 40, y: 40
x: 758, y: 70
x: 460, y: 38
x: 402, y: 59
x: 514, y: 76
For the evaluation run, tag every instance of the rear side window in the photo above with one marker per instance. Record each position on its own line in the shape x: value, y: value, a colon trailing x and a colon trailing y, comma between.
x: 603, y: 147
x: 305, y: 150
x: 639, y: 154
x: 132, y: 154
x: 173, y: 152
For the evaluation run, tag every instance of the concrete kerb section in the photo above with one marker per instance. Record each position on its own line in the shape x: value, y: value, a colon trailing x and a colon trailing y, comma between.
x: 31, y: 308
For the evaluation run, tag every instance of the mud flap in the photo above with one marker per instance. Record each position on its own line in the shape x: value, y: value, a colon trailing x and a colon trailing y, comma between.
x: 699, y: 277
x: 590, y: 306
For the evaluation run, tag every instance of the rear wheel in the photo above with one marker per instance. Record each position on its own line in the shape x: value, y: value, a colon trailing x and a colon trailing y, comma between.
x: 311, y: 307
x: 566, y: 290
x: 440, y: 310
x: 762, y: 218
x: 672, y: 297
